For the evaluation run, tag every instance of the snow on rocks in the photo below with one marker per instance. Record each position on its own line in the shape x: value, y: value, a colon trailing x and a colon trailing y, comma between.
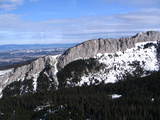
x: 142, y: 56
x: 35, y: 82
x: 115, y: 96
x: 2, y: 72
x: 27, y: 72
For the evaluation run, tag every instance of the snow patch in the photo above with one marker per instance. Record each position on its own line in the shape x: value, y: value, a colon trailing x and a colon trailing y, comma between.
x: 2, y: 72
x: 118, y: 64
x: 55, y: 63
x: 1, y: 94
x: 115, y: 96
x: 39, y: 108
x: 35, y: 82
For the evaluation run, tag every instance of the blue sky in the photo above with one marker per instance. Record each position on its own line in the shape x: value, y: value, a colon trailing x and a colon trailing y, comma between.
x: 72, y: 21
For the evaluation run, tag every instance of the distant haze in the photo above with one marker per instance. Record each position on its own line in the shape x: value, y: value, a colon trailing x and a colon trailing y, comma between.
x: 34, y: 46
x: 74, y: 21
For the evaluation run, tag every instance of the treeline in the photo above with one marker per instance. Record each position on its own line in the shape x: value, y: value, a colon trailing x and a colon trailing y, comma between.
x: 140, y: 100
x: 73, y: 71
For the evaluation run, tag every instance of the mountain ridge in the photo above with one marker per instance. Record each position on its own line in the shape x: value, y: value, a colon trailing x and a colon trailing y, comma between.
x: 85, y: 50
x: 90, y: 48
x: 28, y: 71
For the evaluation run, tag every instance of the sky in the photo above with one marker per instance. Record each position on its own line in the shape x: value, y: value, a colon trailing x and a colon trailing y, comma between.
x: 74, y: 21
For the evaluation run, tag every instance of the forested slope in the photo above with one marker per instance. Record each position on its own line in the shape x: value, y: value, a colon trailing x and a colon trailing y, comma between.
x: 139, y: 99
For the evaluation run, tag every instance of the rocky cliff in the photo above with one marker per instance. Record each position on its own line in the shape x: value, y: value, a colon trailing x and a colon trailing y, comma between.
x: 28, y: 71
x: 93, y: 47
x: 114, y: 58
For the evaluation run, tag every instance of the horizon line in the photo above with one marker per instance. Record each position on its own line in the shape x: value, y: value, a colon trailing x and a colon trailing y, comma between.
x: 40, y: 44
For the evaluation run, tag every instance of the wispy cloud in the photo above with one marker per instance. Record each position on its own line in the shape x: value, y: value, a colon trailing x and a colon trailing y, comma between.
x: 8, y: 5
x: 13, y: 28
x: 137, y: 3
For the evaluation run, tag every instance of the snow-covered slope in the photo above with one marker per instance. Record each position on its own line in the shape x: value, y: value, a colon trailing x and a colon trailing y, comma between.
x: 91, y: 48
x: 113, y: 60
x: 138, y: 61
x: 2, y: 72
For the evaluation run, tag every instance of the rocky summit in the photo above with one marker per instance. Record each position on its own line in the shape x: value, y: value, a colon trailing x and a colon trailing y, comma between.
x: 91, y: 62
x: 90, y: 48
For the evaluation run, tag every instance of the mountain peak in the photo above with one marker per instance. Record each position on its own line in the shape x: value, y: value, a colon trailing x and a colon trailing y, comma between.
x: 90, y: 48
x: 122, y: 54
x: 147, y: 33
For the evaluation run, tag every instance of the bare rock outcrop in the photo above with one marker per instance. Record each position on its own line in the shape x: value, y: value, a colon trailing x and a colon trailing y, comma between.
x: 92, y: 47
x: 28, y: 71
x: 84, y: 50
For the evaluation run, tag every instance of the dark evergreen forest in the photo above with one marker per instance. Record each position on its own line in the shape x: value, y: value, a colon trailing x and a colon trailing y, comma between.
x: 140, y: 100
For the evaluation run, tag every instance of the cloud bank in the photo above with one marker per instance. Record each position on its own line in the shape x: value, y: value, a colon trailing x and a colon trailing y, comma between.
x: 75, y: 30
x: 137, y: 3
x: 8, y: 5
x: 14, y: 29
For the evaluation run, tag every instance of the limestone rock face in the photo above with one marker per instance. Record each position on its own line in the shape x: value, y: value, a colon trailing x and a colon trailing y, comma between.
x: 90, y: 48
x: 28, y: 71
x: 85, y: 50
